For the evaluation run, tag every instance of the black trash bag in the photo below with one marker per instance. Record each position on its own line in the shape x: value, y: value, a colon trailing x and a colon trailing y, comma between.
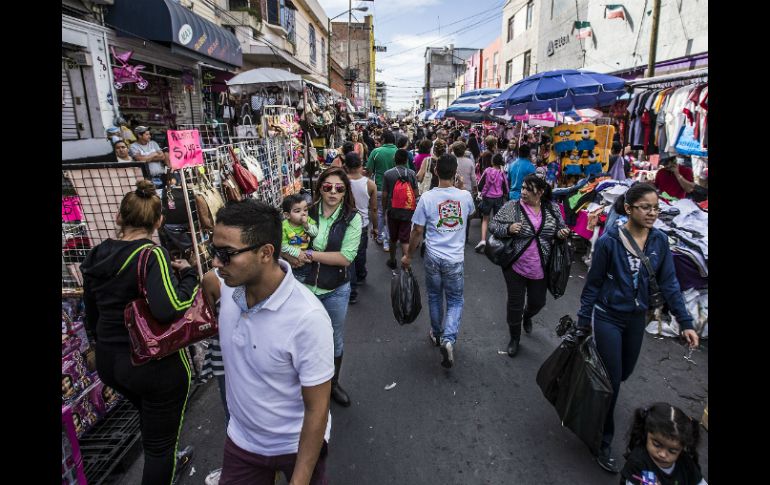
x: 559, y: 267
x: 576, y: 382
x: 405, y: 296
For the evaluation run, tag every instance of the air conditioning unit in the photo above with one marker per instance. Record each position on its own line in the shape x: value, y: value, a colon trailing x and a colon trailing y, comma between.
x: 82, y: 58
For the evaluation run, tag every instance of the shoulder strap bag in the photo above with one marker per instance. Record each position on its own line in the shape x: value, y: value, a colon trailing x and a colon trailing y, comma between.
x: 152, y: 340
x: 656, y: 298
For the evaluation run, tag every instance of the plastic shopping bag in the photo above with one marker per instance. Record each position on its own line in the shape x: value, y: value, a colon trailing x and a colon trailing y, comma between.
x: 405, y: 296
x: 559, y: 267
x: 576, y: 382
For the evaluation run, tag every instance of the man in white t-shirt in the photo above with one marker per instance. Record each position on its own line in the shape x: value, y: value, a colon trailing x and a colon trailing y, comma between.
x: 147, y: 150
x: 441, y: 216
x: 278, y: 354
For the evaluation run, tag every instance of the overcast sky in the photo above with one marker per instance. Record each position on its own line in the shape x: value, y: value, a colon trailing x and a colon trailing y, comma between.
x: 407, y: 27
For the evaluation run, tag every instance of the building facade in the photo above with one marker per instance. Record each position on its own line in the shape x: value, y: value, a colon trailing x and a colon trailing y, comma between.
x: 490, y: 72
x: 312, y: 36
x: 621, y: 45
x: 520, y: 38
x: 443, y: 66
x: 360, y: 74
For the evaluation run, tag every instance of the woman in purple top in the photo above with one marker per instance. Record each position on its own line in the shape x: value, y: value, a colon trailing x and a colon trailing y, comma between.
x: 533, y: 222
x: 423, y: 152
x: 494, y: 192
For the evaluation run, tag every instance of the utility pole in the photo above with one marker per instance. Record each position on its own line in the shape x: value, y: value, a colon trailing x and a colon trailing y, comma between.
x: 447, y: 94
x: 653, y: 38
x: 427, y: 84
x: 329, y: 51
x: 350, y: 71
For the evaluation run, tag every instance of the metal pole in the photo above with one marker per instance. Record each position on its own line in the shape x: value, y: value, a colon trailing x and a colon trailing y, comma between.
x: 653, y: 38
x: 329, y: 51
x: 190, y: 220
x: 349, y: 76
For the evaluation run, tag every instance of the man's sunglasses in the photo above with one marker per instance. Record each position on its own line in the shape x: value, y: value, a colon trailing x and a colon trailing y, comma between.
x: 224, y: 255
x: 327, y: 187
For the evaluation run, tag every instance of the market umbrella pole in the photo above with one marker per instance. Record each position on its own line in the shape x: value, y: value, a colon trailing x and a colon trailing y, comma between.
x: 190, y: 220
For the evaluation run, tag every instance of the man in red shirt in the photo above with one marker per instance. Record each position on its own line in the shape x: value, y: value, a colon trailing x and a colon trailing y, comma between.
x: 674, y: 179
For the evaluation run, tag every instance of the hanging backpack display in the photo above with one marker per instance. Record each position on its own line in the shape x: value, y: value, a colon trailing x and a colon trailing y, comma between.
x: 403, y: 193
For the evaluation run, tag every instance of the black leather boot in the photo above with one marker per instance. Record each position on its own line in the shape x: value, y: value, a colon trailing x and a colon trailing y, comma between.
x: 513, y: 345
x: 338, y: 393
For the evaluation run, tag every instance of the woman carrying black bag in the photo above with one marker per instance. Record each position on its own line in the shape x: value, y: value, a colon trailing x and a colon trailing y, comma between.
x: 620, y: 288
x: 533, y: 222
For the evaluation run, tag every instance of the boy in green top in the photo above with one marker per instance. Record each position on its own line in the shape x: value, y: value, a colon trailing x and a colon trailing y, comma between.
x: 380, y: 161
x: 298, y: 228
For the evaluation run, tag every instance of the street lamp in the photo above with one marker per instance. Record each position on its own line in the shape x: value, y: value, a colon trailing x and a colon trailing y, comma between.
x: 349, y: 11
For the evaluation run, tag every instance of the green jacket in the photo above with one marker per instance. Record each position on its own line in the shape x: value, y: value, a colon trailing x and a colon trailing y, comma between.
x: 380, y: 161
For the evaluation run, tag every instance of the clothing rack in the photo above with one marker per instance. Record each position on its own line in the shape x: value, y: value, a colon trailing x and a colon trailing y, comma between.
x: 671, y: 80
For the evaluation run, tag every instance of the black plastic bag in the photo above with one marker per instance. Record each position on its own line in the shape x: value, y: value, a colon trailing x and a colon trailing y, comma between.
x: 405, y: 296
x: 559, y: 267
x: 576, y: 382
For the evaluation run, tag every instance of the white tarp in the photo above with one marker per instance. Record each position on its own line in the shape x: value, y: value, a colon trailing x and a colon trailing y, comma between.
x: 261, y: 77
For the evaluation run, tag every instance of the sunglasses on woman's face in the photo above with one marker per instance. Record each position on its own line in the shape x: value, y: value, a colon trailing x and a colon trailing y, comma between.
x: 339, y: 188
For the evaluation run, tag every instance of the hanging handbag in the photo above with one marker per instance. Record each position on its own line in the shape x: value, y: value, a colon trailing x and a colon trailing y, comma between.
x: 245, y: 179
x: 253, y: 165
x: 656, y: 298
x: 212, y: 196
x: 246, y: 130
x: 500, y: 251
x: 151, y: 339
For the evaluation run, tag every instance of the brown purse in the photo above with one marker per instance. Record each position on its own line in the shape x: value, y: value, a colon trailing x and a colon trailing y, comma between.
x: 152, y: 340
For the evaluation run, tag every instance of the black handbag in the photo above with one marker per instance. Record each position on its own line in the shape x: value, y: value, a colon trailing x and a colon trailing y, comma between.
x: 500, y: 251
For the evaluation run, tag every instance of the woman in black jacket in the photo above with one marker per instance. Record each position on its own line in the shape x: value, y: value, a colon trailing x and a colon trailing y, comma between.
x: 158, y: 388
x: 534, y: 222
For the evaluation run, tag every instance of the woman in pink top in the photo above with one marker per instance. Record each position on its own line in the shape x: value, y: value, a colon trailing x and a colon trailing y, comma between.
x: 533, y: 222
x: 494, y: 192
x: 423, y: 152
x: 359, y: 147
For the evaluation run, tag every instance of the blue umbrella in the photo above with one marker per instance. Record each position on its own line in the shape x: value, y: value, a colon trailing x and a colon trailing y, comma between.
x: 559, y: 91
x: 477, y: 96
x: 424, y: 114
x: 437, y: 115
x: 469, y: 112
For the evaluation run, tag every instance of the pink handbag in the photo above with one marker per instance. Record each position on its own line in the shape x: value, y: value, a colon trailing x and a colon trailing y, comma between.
x: 153, y: 340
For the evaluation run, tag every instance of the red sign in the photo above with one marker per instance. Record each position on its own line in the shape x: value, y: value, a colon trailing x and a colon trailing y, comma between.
x: 184, y: 148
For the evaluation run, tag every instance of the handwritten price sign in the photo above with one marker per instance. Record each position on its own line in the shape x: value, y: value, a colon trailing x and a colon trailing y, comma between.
x: 184, y: 148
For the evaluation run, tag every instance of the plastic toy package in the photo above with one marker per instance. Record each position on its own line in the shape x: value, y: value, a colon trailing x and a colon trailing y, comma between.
x: 74, y: 376
x: 103, y: 398
x: 84, y: 415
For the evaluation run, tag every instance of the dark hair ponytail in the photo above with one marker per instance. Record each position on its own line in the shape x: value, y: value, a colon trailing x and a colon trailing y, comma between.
x: 667, y: 420
x: 636, y: 192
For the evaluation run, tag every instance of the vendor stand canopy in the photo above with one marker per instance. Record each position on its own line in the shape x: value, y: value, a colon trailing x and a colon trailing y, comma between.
x: 559, y: 91
x: 477, y: 96
x: 423, y: 116
x: 437, y: 115
x: 264, y: 76
x: 468, y: 107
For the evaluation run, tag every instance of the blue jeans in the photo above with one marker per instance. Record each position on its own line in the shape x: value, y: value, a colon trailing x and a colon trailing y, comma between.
x: 619, y: 341
x: 382, y: 226
x: 357, y: 270
x: 336, y: 304
x: 444, y: 278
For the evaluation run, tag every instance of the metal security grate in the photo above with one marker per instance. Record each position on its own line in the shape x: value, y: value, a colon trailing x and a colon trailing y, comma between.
x: 107, y: 443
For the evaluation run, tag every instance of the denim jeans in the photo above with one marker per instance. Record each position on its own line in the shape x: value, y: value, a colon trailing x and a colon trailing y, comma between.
x: 619, y: 341
x: 336, y: 304
x: 357, y: 270
x: 382, y: 226
x: 444, y: 278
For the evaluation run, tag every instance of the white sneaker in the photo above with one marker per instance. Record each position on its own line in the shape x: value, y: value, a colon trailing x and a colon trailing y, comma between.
x: 213, y: 477
x: 480, y: 246
x: 386, y: 246
x: 447, y: 352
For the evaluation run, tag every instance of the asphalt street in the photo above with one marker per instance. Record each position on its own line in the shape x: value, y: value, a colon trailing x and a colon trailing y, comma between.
x: 484, y: 421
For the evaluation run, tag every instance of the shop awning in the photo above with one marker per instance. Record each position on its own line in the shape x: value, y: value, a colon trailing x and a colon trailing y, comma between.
x: 319, y: 86
x: 186, y: 33
x: 268, y: 56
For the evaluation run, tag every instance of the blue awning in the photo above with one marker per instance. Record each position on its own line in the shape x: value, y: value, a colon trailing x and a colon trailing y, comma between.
x: 186, y: 33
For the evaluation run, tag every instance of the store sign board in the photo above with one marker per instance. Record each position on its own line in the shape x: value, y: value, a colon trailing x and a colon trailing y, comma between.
x: 185, y: 34
x: 380, y: 48
x: 556, y: 44
x: 70, y: 209
x: 184, y: 148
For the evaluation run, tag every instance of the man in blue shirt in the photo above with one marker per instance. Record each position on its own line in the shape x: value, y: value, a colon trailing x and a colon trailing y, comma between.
x: 519, y: 169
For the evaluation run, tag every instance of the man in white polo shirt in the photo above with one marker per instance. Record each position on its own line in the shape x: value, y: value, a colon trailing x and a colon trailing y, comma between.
x: 278, y: 354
